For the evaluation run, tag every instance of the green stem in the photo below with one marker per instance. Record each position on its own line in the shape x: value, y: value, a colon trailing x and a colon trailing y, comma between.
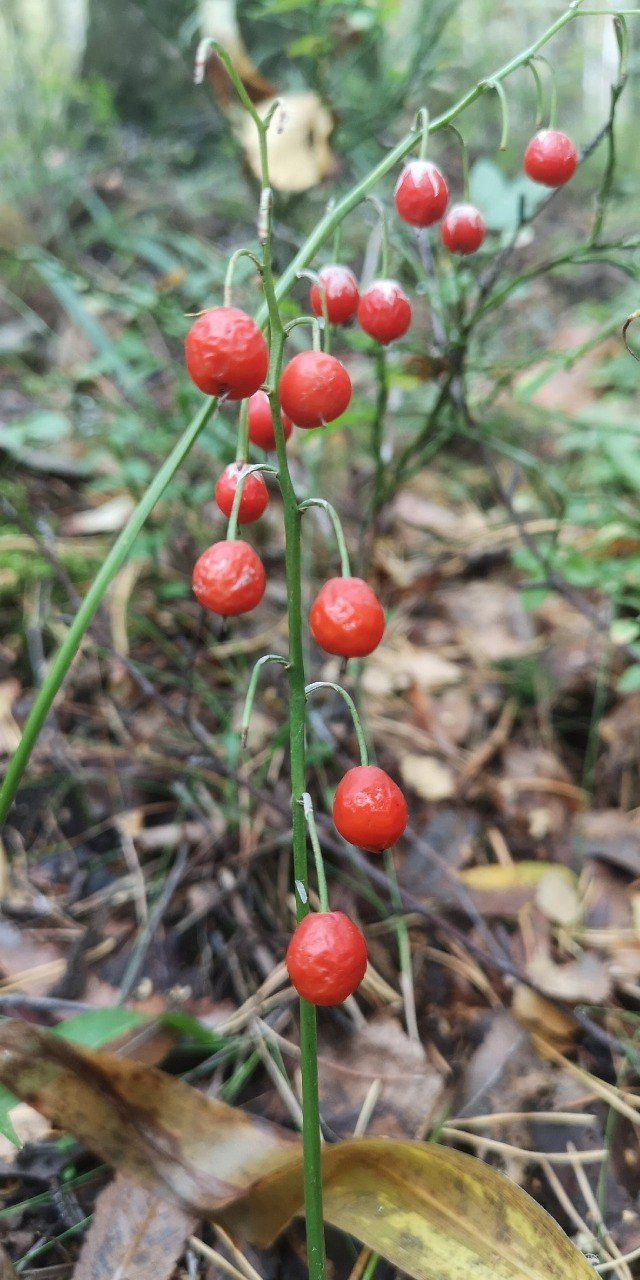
x: 504, y: 110
x: 311, y: 1149
x: 73, y: 639
x: 301, y: 322
x: 232, y: 527
x: 251, y: 691
x: 322, y: 294
x: 553, y: 98
x: 422, y: 123
x: 345, y: 567
x: 539, y: 92
x: 384, y: 234
x: 377, y: 432
x: 606, y: 184
x: 465, y: 162
x: 404, y: 949
x: 337, y: 688
x: 242, y: 447
x: 323, y: 892
x: 233, y: 260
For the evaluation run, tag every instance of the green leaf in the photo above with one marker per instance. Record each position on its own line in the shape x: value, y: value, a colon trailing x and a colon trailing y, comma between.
x: 7, y: 1102
x: 629, y: 681
x: 500, y: 199
x: 97, y: 1026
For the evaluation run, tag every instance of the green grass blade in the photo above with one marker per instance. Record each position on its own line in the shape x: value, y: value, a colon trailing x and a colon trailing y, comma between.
x: 69, y: 647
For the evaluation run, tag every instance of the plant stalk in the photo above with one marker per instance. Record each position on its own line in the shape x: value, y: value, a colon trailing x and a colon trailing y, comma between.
x: 297, y: 715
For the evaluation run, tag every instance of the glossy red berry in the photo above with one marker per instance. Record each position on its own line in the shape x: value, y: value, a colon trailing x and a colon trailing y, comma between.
x: 229, y: 578
x: 384, y: 311
x: 421, y: 193
x: 463, y: 229
x: 550, y: 158
x: 369, y: 810
x: 326, y: 958
x: 226, y: 353
x: 314, y: 389
x: 346, y: 618
x: 261, y: 430
x: 340, y: 291
x: 254, y: 497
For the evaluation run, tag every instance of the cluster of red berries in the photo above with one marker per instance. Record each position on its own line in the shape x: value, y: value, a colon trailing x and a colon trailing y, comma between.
x: 226, y: 355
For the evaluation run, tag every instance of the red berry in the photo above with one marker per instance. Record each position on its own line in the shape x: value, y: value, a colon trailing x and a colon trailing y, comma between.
x: 550, y: 158
x: 314, y: 389
x: 384, y: 311
x: 229, y: 578
x: 421, y: 193
x: 340, y: 291
x: 326, y: 958
x: 261, y: 423
x: 463, y: 229
x: 346, y: 618
x: 254, y: 493
x: 369, y: 810
x: 226, y: 353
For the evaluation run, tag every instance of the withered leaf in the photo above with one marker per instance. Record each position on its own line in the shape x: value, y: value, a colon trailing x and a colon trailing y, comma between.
x: 434, y: 1213
x: 134, y: 1235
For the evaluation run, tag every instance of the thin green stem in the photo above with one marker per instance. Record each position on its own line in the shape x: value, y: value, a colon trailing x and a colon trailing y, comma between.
x: 232, y: 527
x: 553, y: 95
x: 251, y: 691
x: 337, y: 241
x: 377, y: 431
x: 465, y: 161
x: 242, y: 447
x: 323, y: 892
x: 504, y: 111
x: 322, y: 294
x: 73, y: 639
x: 422, y: 123
x: 369, y: 1270
x: 384, y: 235
x: 357, y: 724
x: 606, y: 183
x: 539, y: 92
x: 345, y: 567
x: 233, y: 262
x: 311, y: 1149
x: 306, y: 321
x: 404, y: 948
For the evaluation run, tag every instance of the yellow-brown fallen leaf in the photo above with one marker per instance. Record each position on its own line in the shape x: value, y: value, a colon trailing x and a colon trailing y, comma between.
x: 432, y: 1212
x: 503, y: 888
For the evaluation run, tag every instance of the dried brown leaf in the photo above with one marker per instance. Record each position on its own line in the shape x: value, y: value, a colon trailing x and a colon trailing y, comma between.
x: 134, y: 1235
x: 7, y: 1269
x: 410, y: 1088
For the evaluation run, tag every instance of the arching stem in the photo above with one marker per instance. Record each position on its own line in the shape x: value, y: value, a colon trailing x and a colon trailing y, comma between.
x: 323, y: 892
x: 422, y: 123
x: 251, y: 691
x: 346, y: 697
x: 345, y: 567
